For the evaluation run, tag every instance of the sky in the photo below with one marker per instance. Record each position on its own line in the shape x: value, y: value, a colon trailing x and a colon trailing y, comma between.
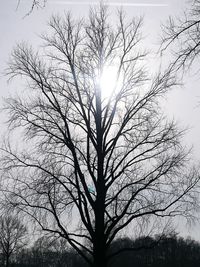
x: 182, y: 104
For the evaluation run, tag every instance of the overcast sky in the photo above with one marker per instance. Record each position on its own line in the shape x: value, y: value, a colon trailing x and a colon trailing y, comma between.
x: 182, y: 103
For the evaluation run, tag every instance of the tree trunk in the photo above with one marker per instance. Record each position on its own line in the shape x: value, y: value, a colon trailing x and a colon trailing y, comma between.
x: 99, y: 242
x: 7, y: 261
x: 99, y: 255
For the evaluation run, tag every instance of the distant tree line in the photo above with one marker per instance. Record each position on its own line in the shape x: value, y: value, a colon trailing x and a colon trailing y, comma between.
x: 167, y: 251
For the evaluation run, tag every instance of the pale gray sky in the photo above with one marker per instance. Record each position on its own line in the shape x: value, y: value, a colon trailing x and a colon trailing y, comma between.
x: 181, y: 104
x: 119, y: 3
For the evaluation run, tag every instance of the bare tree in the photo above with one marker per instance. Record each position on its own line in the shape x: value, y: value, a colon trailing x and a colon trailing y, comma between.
x: 52, y: 251
x: 13, y: 237
x: 93, y: 162
x: 182, y: 35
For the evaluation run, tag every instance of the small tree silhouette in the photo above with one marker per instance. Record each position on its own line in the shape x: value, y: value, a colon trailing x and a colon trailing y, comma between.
x: 13, y: 237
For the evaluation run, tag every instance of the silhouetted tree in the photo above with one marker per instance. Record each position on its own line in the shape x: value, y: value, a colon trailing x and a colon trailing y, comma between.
x: 13, y: 237
x: 96, y: 161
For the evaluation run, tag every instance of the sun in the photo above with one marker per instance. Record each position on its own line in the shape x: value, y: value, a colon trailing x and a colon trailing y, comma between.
x: 108, y: 80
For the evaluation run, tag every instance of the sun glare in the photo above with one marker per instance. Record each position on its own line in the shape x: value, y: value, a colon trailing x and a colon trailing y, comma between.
x: 108, y: 80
